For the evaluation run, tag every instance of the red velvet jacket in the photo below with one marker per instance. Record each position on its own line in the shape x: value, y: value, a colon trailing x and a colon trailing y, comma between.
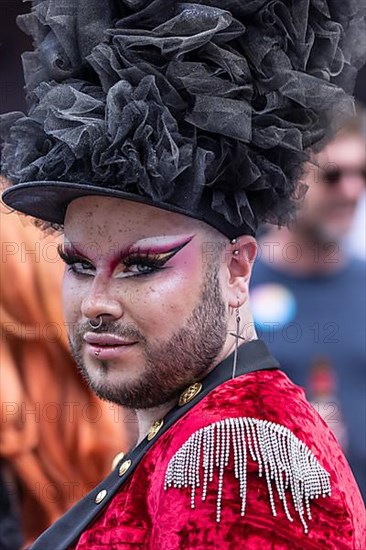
x: 144, y: 514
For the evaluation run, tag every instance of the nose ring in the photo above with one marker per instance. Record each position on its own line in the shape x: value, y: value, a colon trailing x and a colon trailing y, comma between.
x: 98, y: 325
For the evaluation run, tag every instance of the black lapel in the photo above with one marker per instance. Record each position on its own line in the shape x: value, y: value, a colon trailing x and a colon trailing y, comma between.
x: 252, y: 356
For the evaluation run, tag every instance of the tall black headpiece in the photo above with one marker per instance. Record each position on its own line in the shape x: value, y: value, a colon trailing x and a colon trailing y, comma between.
x: 205, y: 108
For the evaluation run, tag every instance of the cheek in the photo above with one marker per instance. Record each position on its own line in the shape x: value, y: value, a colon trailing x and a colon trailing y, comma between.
x: 317, y: 199
x: 181, y: 287
x: 313, y: 195
x: 71, y: 297
x: 169, y: 297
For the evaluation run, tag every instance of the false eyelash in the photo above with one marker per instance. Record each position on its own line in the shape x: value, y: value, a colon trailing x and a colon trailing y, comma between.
x: 70, y: 259
x: 149, y: 259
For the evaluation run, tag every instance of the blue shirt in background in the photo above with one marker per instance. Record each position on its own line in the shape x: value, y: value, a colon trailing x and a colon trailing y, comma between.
x: 316, y: 327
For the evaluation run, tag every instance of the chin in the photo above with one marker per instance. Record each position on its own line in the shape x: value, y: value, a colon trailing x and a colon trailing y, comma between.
x: 131, y: 395
x: 336, y: 232
x: 106, y: 389
x: 109, y: 376
x: 338, y: 225
x: 114, y: 373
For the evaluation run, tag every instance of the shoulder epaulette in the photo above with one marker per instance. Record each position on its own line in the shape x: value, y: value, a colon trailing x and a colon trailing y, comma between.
x: 285, y: 462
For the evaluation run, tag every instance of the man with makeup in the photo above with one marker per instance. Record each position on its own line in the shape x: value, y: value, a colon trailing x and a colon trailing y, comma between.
x: 158, y: 138
x: 321, y: 344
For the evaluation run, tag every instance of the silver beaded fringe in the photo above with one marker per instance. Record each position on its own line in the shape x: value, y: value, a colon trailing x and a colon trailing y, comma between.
x: 285, y: 461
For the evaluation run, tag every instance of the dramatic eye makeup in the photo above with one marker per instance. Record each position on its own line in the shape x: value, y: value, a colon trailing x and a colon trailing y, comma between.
x: 134, y: 262
x: 72, y: 258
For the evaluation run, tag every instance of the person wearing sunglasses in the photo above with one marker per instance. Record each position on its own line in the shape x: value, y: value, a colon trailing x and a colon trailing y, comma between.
x: 308, y: 292
x: 336, y: 183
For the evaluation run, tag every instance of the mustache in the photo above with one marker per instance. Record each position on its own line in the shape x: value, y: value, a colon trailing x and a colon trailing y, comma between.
x: 342, y: 204
x: 128, y: 331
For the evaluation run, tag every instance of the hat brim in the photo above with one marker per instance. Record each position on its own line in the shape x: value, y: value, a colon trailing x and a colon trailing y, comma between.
x: 48, y: 201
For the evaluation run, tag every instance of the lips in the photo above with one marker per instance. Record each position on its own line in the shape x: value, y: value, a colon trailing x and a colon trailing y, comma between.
x: 105, y: 347
x: 100, y: 340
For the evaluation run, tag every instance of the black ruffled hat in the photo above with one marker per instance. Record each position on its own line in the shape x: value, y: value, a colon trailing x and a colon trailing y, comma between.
x: 205, y: 108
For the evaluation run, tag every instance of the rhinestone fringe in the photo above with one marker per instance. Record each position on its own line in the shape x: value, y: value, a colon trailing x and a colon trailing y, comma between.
x: 284, y: 460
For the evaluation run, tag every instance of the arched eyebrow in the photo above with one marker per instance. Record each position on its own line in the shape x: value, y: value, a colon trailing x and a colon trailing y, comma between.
x: 69, y: 255
x: 70, y: 251
x: 142, y: 246
x: 167, y: 249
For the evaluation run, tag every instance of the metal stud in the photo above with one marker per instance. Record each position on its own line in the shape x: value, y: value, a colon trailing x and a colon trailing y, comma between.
x: 117, y: 459
x: 124, y: 467
x: 155, y: 429
x: 101, y: 496
x: 190, y: 393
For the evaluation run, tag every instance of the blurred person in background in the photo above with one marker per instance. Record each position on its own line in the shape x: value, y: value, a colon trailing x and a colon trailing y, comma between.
x: 308, y: 293
x: 57, y: 438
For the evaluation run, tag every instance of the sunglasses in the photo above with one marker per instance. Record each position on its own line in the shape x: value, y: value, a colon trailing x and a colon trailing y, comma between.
x: 332, y: 176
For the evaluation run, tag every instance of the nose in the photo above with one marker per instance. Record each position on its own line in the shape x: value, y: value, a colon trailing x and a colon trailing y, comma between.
x: 101, y: 301
x: 351, y: 186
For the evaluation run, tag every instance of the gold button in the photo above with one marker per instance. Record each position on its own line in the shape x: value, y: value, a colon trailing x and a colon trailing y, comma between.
x: 117, y: 459
x: 100, y: 496
x: 124, y: 467
x: 190, y: 393
x: 154, y: 429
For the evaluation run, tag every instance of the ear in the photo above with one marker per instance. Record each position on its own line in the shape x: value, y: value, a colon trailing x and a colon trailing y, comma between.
x: 239, y: 259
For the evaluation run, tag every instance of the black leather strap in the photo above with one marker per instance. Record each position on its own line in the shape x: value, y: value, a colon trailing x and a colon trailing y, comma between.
x: 252, y: 356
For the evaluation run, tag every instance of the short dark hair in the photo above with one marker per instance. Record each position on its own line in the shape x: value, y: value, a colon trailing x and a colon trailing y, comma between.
x: 356, y: 125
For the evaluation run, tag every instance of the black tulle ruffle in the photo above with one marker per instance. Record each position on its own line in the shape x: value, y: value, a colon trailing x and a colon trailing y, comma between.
x: 215, y: 98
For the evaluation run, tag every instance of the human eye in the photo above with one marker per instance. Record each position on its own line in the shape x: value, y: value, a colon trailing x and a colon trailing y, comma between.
x: 149, y: 262
x: 76, y: 264
x: 142, y: 264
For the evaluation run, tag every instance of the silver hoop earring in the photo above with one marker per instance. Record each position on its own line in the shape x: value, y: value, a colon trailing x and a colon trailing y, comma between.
x: 98, y: 325
x: 237, y: 337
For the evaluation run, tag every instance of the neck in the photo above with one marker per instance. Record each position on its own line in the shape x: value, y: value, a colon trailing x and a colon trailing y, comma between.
x: 299, y: 252
x: 147, y: 417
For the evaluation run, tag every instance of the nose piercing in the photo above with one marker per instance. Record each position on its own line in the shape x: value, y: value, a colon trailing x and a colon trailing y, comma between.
x: 94, y: 326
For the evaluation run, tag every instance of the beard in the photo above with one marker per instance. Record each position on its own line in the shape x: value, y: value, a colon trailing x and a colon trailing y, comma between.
x: 172, y: 365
